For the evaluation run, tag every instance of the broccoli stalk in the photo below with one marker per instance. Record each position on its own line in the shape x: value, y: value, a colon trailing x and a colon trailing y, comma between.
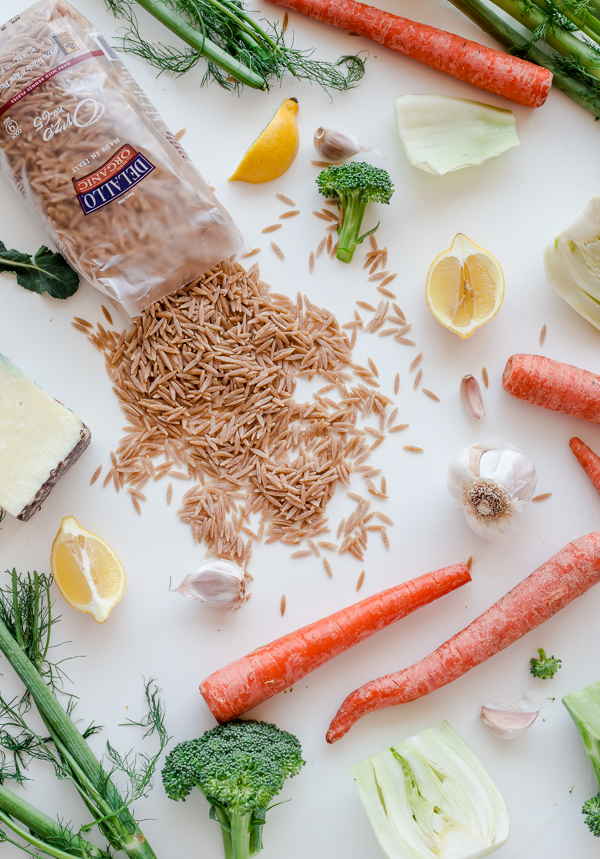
x: 544, y: 667
x: 584, y: 709
x: 239, y: 767
x: 354, y: 185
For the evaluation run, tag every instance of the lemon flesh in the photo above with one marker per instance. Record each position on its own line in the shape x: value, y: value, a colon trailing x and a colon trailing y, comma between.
x: 86, y: 570
x: 274, y: 150
x: 465, y: 287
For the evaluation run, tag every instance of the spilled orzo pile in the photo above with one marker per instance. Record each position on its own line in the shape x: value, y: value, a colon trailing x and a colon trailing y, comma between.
x: 207, y: 377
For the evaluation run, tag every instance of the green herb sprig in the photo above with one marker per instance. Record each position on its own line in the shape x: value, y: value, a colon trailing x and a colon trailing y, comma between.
x: 238, y: 51
x: 26, y: 620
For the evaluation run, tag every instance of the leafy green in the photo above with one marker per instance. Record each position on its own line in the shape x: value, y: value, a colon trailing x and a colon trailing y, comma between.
x: 45, y: 272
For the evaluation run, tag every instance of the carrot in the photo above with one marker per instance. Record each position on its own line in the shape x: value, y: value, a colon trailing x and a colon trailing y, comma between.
x: 552, y: 385
x: 254, y: 678
x: 487, y: 68
x: 567, y: 575
x: 588, y: 460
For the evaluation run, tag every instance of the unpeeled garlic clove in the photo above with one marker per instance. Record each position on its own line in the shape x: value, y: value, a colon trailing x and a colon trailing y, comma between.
x: 470, y: 395
x: 334, y: 145
x: 510, y: 720
x: 221, y: 584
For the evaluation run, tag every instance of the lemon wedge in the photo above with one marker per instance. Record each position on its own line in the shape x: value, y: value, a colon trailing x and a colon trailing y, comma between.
x: 274, y: 150
x: 465, y: 287
x: 86, y: 570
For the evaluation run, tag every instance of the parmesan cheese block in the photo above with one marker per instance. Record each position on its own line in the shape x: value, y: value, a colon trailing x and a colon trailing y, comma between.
x: 39, y: 440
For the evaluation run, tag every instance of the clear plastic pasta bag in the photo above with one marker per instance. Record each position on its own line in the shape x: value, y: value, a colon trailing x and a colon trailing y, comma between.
x: 90, y: 155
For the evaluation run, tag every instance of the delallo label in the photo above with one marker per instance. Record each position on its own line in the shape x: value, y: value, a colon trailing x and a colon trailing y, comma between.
x: 112, y: 179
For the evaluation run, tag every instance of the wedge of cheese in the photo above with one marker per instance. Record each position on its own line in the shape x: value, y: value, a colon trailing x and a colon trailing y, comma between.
x: 39, y: 440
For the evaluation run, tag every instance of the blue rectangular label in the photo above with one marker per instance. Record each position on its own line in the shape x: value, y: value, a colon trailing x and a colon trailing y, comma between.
x: 136, y: 170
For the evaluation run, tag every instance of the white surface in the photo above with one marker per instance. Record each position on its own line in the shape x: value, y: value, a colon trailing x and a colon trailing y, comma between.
x: 511, y: 205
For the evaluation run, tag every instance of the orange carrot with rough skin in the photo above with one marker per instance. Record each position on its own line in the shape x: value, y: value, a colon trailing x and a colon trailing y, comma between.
x: 254, y: 678
x: 552, y: 385
x: 567, y: 575
x: 487, y: 68
x: 588, y: 460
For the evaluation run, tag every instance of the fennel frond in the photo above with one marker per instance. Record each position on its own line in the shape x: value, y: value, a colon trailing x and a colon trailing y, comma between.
x: 238, y: 51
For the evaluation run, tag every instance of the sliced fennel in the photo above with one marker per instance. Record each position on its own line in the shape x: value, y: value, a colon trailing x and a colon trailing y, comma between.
x: 429, y: 796
x: 441, y: 134
x: 572, y: 262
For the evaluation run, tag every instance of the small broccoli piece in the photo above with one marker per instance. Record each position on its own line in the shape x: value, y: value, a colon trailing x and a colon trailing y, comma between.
x: 354, y: 185
x: 591, y: 809
x: 546, y: 666
x: 239, y: 767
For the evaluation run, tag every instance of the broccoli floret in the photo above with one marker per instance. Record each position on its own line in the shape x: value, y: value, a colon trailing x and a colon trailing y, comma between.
x: 239, y: 767
x: 354, y: 185
x: 591, y: 809
x: 545, y: 667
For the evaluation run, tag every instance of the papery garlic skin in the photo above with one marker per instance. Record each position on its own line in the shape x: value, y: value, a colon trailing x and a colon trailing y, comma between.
x: 493, y: 481
x: 334, y: 145
x: 508, y: 720
x: 221, y: 584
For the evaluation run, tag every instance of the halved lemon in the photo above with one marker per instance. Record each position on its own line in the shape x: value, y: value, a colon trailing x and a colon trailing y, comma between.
x: 274, y: 150
x: 86, y: 570
x: 465, y: 286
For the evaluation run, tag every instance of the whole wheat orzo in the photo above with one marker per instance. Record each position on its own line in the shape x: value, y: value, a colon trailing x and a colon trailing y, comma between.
x: 206, y: 377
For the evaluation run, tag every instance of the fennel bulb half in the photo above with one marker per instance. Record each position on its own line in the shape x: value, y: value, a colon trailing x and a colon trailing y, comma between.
x: 429, y: 797
x: 440, y: 133
x: 572, y: 262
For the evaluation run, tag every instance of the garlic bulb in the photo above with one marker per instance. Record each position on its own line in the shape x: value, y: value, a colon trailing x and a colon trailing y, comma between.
x: 470, y: 395
x: 221, y: 584
x: 510, y: 720
x: 493, y: 481
x: 333, y: 145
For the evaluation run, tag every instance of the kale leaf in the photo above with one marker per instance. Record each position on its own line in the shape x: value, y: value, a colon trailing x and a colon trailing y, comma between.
x: 46, y: 272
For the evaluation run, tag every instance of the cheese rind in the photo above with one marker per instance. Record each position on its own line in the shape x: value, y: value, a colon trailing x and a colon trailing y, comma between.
x: 39, y: 440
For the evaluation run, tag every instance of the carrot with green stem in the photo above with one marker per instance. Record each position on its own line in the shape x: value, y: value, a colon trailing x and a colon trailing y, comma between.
x: 588, y: 460
x: 487, y: 68
x: 247, y: 682
x: 553, y: 385
x: 567, y: 575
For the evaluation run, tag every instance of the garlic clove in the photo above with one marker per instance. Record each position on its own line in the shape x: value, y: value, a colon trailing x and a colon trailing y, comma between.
x: 333, y: 145
x: 470, y: 395
x: 510, y: 720
x: 221, y: 584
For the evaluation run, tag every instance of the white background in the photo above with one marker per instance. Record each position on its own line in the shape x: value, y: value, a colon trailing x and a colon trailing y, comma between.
x: 512, y: 205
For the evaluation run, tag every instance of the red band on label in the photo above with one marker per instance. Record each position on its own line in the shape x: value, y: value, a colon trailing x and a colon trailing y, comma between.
x: 45, y: 77
x: 119, y: 160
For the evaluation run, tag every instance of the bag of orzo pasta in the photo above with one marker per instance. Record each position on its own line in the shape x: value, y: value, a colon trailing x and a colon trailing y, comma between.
x: 90, y: 155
